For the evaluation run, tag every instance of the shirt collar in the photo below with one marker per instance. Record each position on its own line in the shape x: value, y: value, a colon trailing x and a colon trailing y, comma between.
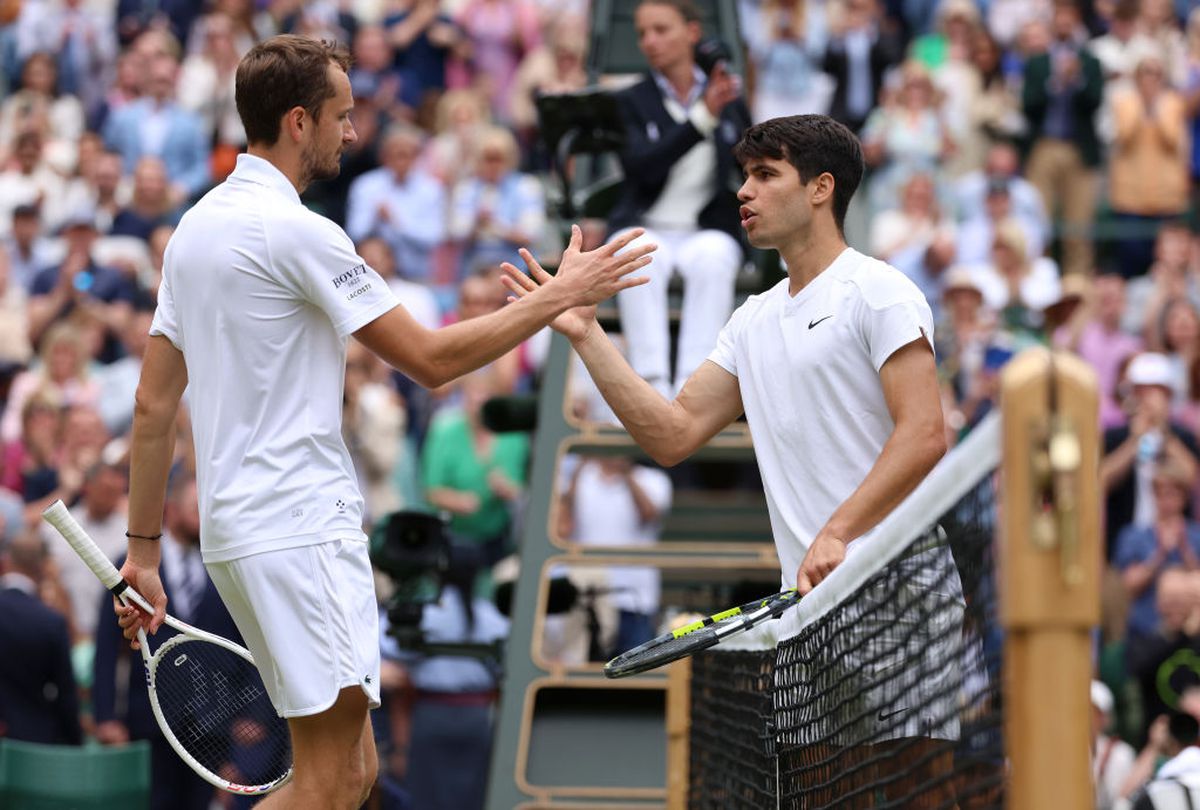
x: 253, y: 169
x: 667, y: 90
x: 19, y: 582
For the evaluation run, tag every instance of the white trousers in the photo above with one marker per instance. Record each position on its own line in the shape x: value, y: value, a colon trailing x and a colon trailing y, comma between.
x: 708, y: 261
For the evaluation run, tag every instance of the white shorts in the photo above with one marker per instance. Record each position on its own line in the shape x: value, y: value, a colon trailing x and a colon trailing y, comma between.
x: 308, y: 616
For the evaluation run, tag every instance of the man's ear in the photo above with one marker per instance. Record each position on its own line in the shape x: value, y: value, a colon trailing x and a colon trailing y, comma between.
x: 822, y: 189
x: 295, y: 121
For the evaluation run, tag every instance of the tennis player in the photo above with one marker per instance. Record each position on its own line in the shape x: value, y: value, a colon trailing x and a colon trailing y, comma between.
x: 833, y: 367
x: 258, y: 297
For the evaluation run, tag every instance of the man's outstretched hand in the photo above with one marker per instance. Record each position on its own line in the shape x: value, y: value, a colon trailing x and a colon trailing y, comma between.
x: 586, y: 278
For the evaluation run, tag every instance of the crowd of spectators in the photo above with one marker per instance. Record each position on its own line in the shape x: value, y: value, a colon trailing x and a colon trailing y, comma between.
x: 1033, y: 167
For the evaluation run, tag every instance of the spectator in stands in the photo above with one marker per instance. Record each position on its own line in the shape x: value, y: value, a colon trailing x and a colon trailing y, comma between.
x: 1177, y: 335
x: 150, y: 203
x: 156, y: 124
x: 498, y: 35
x: 1133, y: 452
x: 1143, y: 552
x: 977, y: 234
x: 107, y: 191
x: 786, y: 40
x: 907, y: 134
x: 461, y: 117
x: 681, y: 184
x: 423, y: 38
x: 1170, y: 277
x: 38, y: 105
x: 374, y: 75
x: 15, y: 350
x: 79, y: 281
x: 610, y: 501
x: 475, y: 475
x: 63, y: 373
x: 118, y: 380
x: 1015, y: 285
x: 962, y: 337
x: 206, y: 83
x: 916, y: 238
x: 1191, y: 97
x: 1148, y: 169
x: 80, y: 36
x: 1003, y: 162
x: 100, y: 510
x: 416, y: 297
x: 1118, y: 51
x: 28, y: 179
x: 1159, y: 24
x: 1062, y: 90
x: 863, y: 45
x: 1112, y: 757
x: 994, y: 114
x: 1101, y: 342
x: 400, y: 202
x: 1177, y: 783
x: 373, y: 422
x: 498, y: 209
x: 28, y: 249
x: 38, y: 698
x: 557, y: 66
x: 120, y: 703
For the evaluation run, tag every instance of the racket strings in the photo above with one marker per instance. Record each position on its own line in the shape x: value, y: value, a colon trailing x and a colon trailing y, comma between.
x: 215, y: 704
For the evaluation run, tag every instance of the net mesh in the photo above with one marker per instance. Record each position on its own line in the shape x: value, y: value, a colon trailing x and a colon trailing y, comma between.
x: 885, y: 693
x: 215, y: 704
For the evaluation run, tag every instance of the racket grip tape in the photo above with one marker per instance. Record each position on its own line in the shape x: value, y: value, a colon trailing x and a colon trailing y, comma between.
x: 56, y: 515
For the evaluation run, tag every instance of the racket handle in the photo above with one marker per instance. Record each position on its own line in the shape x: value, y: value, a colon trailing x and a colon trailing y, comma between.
x: 56, y: 515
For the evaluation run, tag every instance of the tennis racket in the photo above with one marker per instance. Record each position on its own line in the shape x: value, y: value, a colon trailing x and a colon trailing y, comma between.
x: 205, y: 691
x: 699, y: 635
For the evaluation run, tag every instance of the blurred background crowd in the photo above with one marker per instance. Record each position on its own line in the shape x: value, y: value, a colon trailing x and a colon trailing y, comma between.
x: 1033, y: 166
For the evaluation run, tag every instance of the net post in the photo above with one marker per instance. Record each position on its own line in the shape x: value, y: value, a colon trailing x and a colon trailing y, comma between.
x: 1050, y: 570
x: 679, y: 724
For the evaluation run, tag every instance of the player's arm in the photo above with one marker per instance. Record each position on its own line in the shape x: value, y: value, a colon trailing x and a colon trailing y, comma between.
x: 669, y: 431
x: 435, y: 357
x: 909, y: 380
x: 152, y: 446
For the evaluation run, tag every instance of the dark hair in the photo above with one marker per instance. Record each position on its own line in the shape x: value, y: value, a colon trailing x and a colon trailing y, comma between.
x: 1183, y: 728
x: 686, y: 8
x: 814, y: 144
x: 281, y: 73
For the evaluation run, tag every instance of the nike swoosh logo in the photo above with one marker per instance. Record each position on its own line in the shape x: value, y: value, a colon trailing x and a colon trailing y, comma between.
x: 886, y: 715
x: 811, y: 324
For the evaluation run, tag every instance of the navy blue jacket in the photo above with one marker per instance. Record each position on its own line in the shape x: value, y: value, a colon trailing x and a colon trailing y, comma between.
x: 38, y: 698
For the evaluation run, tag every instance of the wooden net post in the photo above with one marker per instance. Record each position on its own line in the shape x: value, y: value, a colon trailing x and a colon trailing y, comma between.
x: 1050, y: 566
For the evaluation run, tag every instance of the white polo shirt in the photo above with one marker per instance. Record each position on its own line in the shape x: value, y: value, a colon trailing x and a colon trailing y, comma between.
x: 808, y: 370
x: 259, y: 294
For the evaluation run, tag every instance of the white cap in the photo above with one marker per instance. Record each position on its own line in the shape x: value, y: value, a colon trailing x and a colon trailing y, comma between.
x: 1102, y: 697
x: 1150, y: 368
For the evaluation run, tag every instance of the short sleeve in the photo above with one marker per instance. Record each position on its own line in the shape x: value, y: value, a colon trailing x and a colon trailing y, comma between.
x: 725, y: 353
x: 894, y: 313
x: 319, y: 263
x: 165, y: 321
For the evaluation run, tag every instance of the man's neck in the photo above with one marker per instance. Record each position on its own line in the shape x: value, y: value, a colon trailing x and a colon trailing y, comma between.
x: 807, y: 258
x: 288, y: 163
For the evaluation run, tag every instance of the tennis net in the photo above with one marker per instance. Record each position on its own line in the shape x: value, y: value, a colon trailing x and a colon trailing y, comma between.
x: 885, y: 691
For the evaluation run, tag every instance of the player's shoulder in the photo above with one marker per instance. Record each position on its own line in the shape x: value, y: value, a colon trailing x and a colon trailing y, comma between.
x: 878, y: 284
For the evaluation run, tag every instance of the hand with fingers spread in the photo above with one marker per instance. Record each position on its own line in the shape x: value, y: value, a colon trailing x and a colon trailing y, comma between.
x: 584, y: 278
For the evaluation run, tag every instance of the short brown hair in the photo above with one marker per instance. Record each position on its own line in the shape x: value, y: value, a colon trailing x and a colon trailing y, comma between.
x: 686, y: 8
x: 281, y: 73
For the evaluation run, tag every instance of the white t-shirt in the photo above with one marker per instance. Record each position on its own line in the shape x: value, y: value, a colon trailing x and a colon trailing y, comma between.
x: 808, y: 371
x: 606, y: 515
x: 259, y: 294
